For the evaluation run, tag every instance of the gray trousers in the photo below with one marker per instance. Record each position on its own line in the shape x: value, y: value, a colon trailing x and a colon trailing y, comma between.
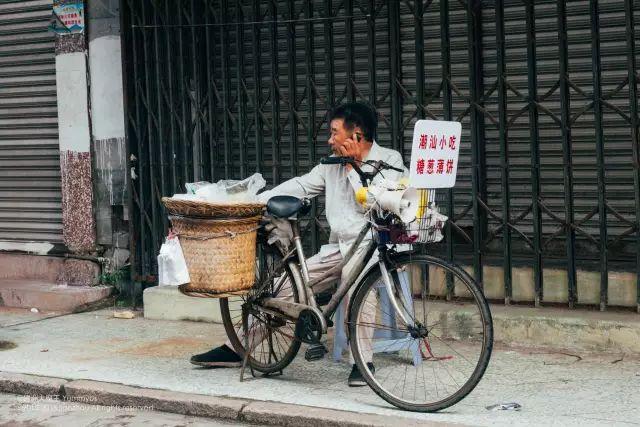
x: 318, y: 265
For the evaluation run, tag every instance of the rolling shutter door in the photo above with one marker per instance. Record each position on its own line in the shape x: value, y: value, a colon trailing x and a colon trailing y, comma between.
x: 619, y: 181
x: 617, y: 132
x: 30, y: 188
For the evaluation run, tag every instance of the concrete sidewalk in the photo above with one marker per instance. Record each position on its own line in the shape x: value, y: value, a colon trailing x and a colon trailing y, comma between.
x: 553, y: 388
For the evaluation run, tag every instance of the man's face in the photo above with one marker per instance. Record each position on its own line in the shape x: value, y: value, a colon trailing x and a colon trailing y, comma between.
x: 338, y: 134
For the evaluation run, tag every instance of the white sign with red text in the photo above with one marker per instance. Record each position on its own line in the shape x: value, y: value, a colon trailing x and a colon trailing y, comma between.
x: 434, y: 154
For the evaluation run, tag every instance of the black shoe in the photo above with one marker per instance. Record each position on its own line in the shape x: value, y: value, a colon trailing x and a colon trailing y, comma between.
x: 356, y: 379
x: 221, y: 357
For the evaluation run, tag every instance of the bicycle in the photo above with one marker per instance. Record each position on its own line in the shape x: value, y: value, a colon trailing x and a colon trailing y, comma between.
x: 422, y: 321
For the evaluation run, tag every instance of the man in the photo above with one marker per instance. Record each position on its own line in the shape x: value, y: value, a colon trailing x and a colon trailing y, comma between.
x: 352, y: 133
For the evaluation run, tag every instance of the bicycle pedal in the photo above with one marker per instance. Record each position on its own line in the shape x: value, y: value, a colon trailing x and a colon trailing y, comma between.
x: 315, y: 352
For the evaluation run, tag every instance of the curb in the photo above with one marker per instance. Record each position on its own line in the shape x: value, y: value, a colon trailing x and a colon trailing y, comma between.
x: 31, y: 385
x: 110, y: 394
x: 197, y: 405
x: 557, y: 329
x: 591, y: 332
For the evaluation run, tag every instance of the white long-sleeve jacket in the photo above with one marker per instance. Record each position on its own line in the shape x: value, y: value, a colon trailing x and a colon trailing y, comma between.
x: 344, y: 214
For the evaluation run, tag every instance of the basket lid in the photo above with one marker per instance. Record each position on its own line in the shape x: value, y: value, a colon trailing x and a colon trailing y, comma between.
x: 202, y: 209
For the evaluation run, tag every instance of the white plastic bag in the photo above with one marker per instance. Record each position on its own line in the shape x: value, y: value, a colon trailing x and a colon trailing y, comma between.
x: 192, y: 187
x: 225, y: 190
x: 428, y: 229
x: 230, y: 190
x: 172, y: 267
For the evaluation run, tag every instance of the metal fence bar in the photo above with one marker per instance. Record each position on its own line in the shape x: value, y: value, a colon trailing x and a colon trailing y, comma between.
x: 394, y: 56
x: 181, y: 95
x: 504, y: 151
x: 211, y: 103
x: 151, y: 160
x: 145, y: 237
x: 329, y: 60
x: 194, y: 119
x: 371, y: 53
x: 292, y: 95
x: 242, y: 98
x: 160, y: 110
x: 134, y: 148
x: 311, y: 112
x: 226, y: 89
x: 172, y: 130
x: 328, y: 53
x: 418, y: 22
x: 219, y: 148
x: 635, y: 123
x: 134, y: 259
x: 349, y: 49
x: 418, y: 15
x: 482, y: 157
x: 275, y: 96
x: 257, y: 79
x: 597, y: 113
x: 565, y: 108
x: 473, y: 10
x: 447, y: 105
x: 534, y: 136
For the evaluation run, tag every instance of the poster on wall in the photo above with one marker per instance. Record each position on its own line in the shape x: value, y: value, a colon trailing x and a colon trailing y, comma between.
x: 68, y: 17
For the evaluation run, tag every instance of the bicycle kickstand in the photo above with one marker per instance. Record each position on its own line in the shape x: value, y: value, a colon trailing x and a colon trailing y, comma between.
x: 245, y: 359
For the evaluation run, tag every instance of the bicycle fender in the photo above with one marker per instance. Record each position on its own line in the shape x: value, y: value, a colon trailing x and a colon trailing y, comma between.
x: 297, y: 277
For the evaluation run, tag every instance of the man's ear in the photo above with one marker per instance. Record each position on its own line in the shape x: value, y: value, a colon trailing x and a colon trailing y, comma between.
x: 358, y: 132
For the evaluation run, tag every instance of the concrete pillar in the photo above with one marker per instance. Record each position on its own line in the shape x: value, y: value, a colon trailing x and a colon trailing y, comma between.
x: 74, y: 133
x: 108, y: 128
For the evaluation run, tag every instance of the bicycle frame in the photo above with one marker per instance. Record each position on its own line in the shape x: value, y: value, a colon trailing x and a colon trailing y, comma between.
x: 305, y: 285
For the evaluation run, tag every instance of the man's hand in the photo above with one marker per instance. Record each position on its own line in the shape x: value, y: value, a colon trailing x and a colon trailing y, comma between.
x: 352, y: 148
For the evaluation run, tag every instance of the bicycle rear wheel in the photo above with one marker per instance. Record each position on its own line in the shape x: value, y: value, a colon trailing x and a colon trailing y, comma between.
x: 272, y: 340
x: 437, y: 362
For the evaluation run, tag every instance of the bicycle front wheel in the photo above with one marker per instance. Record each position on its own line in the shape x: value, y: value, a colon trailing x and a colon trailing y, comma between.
x: 440, y: 356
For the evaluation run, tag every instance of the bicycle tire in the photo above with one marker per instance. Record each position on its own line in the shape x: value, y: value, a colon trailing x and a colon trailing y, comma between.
x: 362, y: 292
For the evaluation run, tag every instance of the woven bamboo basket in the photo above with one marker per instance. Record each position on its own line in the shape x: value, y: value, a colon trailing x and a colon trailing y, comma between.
x: 220, y: 254
x: 199, y: 209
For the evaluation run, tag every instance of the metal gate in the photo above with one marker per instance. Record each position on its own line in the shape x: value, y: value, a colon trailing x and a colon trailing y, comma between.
x: 30, y: 186
x: 546, y: 92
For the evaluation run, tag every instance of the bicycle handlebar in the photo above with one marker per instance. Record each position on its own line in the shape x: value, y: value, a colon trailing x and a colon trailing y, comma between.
x: 378, y: 165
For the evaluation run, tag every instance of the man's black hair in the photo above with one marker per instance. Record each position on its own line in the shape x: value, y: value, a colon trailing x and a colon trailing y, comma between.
x: 357, y: 114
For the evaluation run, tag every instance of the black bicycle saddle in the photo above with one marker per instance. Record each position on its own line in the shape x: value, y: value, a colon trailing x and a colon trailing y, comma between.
x: 287, y: 206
